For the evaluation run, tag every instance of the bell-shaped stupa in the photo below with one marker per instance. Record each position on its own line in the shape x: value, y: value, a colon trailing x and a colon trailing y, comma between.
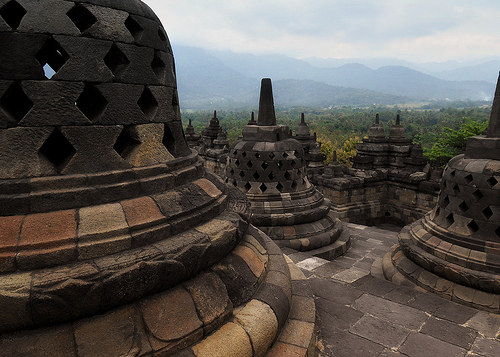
x: 455, y: 249
x: 269, y: 166
x: 114, y: 240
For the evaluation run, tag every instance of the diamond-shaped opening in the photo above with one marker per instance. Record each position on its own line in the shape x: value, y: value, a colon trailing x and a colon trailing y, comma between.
x: 285, y: 155
x: 473, y: 226
x: 135, y: 29
x: 296, y: 153
x: 52, y: 57
x: 287, y: 175
x: 244, y: 154
x: 235, y: 184
x: 12, y: 13
x: 126, y: 143
x: 158, y: 65
x: 469, y: 178
x: 453, y: 173
x: 456, y: 189
x: 237, y: 162
x: 235, y: 152
x: 248, y: 186
x: 249, y: 164
x: 57, y: 150
x: 116, y: 60
x: 169, y: 140
x: 242, y: 174
x: 279, y: 164
x: 231, y: 172
x: 293, y: 163
x: 256, y: 176
x: 271, y: 155
x: 477, y: 194
x: 446, y: 201
x: 294, y: 185
x: 279, y: 187
x: 264, y: 165
x: 450, y: 219
x: 15, y: 103
x: 271, y: 176
x: 492, y: 181
x: 91, y: 102
x: 263, y: 188
x: 257, y: 155
x: 463, y: 206
x: 81, y: 17
x: 487, y: 212
x: 497, y: 231
x: 162, y: 35
x: 147, y: 102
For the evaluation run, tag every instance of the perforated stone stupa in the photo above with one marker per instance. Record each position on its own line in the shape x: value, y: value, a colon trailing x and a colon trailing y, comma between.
x: 114, y: 240
x: 312, y: 149
x: 269, y: 166
x: 455, y: 249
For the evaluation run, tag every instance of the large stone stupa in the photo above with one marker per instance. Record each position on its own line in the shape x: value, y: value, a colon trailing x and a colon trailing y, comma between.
x: 114, y: 241
x: 269, y: 166
x: 455, y: 249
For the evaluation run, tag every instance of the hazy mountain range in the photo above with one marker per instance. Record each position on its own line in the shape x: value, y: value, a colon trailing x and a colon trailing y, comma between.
x: 217, y: 79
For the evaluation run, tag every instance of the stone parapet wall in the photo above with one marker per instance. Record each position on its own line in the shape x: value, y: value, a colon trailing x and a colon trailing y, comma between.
x: 378, y: 202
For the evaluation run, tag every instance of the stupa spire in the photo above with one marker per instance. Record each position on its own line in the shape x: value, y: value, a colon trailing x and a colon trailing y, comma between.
x: 494, y: 126
x: 267, y: 116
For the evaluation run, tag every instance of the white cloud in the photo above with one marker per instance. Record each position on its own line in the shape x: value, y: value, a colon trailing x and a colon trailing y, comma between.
x: 417, y: 30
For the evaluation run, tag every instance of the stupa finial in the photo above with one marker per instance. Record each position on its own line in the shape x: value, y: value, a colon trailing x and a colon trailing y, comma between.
x: 494, y: 126
x: 267, y: 116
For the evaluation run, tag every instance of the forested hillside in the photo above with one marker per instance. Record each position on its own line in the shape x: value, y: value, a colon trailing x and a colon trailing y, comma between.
x: 336, y: 126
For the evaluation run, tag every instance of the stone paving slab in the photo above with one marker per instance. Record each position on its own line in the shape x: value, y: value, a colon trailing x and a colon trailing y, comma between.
x: 358, y: 314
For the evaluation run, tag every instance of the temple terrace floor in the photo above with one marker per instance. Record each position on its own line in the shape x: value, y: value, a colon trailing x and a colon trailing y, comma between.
x: 359, y: 313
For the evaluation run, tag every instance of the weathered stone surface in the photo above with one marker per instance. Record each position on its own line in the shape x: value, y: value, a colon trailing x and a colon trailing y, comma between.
x: 260, y: 323
x: 120, y: 334
x: 170, y: 316
x: 413, y: 347
x: 230, y: 340
x: 44, y: 343
x: 380, y: 331
x: 210, y: 297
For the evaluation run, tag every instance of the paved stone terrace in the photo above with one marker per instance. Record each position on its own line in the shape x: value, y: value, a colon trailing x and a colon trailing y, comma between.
x: 359, y: 314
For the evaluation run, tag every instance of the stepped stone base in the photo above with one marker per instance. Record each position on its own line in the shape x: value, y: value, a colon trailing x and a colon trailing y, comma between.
x: 252, y: 303
x: 403, y: 271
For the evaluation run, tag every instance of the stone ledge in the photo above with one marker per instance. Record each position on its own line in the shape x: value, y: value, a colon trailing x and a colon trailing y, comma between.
x: 401, y: 270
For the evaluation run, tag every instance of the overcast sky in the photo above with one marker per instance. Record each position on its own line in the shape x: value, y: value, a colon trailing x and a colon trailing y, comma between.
x: 414, y: 30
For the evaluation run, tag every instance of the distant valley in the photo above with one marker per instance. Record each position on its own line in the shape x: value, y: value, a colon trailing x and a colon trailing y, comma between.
x: 226, y: 80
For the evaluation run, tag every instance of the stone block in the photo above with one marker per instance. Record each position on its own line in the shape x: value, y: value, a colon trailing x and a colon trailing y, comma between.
x: 20, y: 62
x: 230, y: 340
x: 82, y: 64
x: 120, y: 334
x: 141, y: 212
x: 170, y: 316
x: 48, y: 342
x: 65, y: 293
x: 15, y: 301
x: 10, y: 228
x: 260, y: 323
x: 210, y: 298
